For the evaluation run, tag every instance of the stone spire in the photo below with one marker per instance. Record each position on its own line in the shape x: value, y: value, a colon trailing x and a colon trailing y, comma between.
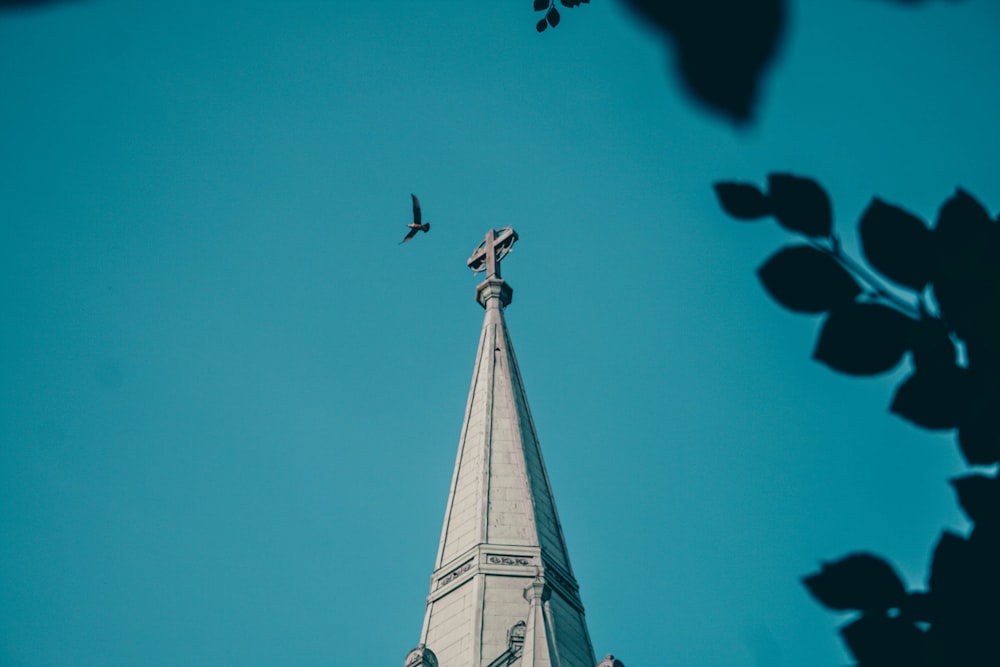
x: 502, y: 591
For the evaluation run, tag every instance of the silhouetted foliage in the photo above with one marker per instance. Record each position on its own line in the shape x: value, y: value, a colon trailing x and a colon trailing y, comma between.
x: 722, y: 47
x: 827, y: 284
x: 859, y: 582
x: 552, y: 16
x: 944, y: 313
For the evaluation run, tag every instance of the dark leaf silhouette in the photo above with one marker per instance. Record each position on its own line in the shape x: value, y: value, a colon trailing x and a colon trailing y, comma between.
x: 800, y: 205
x: 969, y: 299
x: 858, y: 581
x: 897, y: 243
x: 931, y: 344
x: 979, y: 431
x: 807, y: 280
x: 934, y: 397
x: 962, y: 224
x: 966, y: 280
x: 876, y: 639
x: 553, y: 17
x: 863, y: 339
x: 722, y: 47
x: 917, y: 607
x: 541, y: 25
x: 965, y: 589
x: 541, y: 5
x: 743, y: 201
x: 947, y: 565
x: 979, y: 496
x: 982, y: 345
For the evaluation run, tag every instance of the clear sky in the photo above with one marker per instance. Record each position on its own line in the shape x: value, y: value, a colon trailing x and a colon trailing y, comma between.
x: 230, y: 401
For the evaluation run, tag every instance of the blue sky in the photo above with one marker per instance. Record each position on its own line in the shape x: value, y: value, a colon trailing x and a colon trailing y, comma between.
x: 230, y: 401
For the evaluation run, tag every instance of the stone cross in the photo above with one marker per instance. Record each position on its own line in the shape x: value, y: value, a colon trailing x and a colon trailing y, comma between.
x: 487, y: 255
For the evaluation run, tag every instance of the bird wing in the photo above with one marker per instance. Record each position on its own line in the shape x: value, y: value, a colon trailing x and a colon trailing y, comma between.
x: 410, y: 235
x: 416, y: 209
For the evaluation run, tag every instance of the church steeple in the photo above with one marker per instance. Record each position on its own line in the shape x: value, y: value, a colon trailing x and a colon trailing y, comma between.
x: 502, y: 591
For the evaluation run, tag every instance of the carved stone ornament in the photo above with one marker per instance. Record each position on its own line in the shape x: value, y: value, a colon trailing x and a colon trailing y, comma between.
x: 455, y: 574
x: 610, y: 661
x: 515, y: 636
x: 508, y: 560
x: 421, y: 657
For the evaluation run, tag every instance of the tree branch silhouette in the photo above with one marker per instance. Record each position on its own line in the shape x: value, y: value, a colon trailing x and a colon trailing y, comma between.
x: 953, y: 271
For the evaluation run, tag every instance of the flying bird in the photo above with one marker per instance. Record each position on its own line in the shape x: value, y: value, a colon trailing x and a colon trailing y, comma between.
x: 416, y: 225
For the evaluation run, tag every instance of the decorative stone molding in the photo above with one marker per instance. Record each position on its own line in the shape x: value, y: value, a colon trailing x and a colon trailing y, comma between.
x: 420, y: 657
x: 455, y: 574
x: 496, y: 559
x: 610, y: 661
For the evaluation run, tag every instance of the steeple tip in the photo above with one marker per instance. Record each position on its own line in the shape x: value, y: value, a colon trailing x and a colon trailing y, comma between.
x: 502, y: 592
x: 486, y: 257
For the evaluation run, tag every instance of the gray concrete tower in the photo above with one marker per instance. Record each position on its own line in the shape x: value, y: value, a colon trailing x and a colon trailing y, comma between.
x: 502, y: 591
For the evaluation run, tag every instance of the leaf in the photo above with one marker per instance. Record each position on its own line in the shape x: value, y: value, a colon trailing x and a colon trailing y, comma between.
x: 964, y: 587
x: 857, y: 581
x: 948, y: 566
x: 967, y: 249
x: 553, y: 17
x: 863, y: 338
x: 931, y: 344
x: 742, y: 201
x: 934, y: 398
x: 917, y: 607
x: 961, y: 224
x: 897, y: 243
x: 800, y: 205
x: 807, y: 280
x: 721, y: 50
x: 541, y: 25
x: 983, y: 347
x: 966, y: 278
x: 979, y: 432
x: 541, y: 5
x: 979, y: 496
x: 879, y: 640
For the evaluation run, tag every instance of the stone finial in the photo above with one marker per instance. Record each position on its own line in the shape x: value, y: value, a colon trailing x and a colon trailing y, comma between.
x: 420, y: 657
x: 537, y: 590
x: 610, y: 661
